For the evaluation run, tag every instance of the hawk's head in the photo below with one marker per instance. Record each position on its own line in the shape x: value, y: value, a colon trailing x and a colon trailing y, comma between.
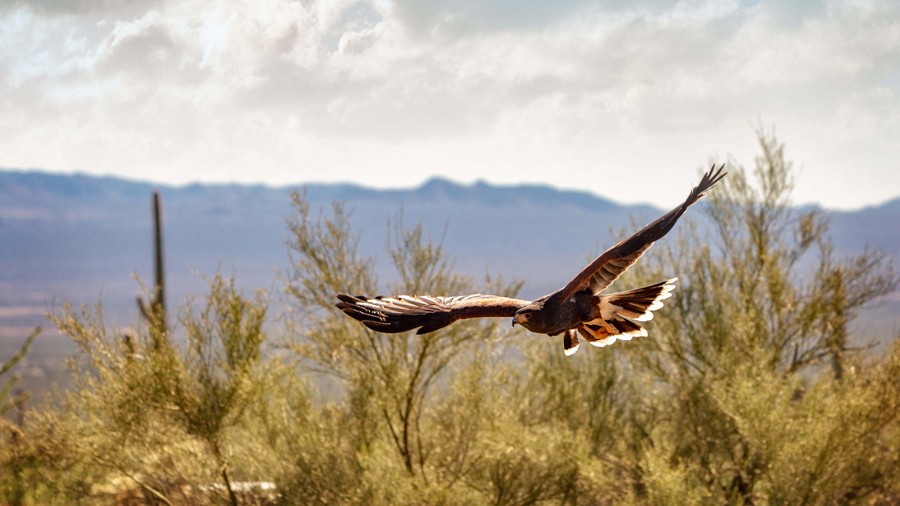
x: 530, y: 316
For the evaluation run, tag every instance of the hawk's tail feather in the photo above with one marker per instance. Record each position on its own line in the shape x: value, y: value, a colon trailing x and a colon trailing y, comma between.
x: 605, y: 332
x: 620, y: 312
x: 638, y: 304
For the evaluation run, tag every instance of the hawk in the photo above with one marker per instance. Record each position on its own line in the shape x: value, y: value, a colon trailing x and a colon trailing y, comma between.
x: 576, y: 309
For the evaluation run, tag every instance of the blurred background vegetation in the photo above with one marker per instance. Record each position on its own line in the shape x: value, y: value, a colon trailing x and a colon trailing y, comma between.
x: 749, y: 390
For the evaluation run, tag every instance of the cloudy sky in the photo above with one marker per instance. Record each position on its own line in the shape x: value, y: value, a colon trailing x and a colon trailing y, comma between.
x: 623, y: 99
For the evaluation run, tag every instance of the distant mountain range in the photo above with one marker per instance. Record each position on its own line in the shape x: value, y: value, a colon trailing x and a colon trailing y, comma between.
x: 77, y: 237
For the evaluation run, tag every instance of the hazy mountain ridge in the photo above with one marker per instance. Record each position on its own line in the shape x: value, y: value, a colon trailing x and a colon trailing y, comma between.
x: 42, y: 189
x: 77, y: 236
x: 49, y: 220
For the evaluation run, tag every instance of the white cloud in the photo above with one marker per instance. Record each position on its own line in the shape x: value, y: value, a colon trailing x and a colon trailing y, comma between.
x: 389, y: 93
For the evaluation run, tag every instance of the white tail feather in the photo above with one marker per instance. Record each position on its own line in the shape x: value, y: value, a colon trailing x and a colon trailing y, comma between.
x: 616, y: 314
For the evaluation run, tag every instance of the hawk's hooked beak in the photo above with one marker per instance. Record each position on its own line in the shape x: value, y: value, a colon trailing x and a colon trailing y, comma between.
x: 519, y: 318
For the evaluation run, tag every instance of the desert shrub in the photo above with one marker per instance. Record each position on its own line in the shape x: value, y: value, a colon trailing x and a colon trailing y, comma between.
x: 150, y: 418
x: 745, y: 407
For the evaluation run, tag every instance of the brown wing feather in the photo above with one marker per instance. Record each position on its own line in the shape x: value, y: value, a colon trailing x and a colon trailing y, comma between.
x: 611, y: 264
x: 611, y: 270
x: 407, y: 312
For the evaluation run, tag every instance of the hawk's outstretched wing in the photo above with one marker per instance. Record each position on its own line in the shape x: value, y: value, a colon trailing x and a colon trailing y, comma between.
x: 406, y: 312
x: 610, y: 265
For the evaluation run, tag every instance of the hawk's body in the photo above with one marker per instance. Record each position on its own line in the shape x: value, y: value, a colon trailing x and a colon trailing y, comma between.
x: 577, y: 308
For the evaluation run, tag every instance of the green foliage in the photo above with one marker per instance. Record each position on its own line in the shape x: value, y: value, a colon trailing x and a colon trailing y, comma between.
x: 387, y: 377
x: 147, y: 414
x: 753, y: 310
x: 750, y: 388
x: 744, y: 296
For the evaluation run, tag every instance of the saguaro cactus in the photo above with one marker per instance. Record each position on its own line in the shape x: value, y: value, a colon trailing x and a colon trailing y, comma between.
x: 155, y: 312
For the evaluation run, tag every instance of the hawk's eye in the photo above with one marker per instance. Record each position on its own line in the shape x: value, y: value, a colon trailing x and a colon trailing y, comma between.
x: 527, y: 316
